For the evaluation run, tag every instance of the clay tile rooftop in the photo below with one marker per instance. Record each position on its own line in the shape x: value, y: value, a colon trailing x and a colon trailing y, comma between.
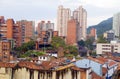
x: 46, y: 65
x: 111, y: 63
x: 30, y: 65
x: 102, y: 59
x: 78, y: 69
x: 96, y: 60
x: 4, y: 64
x: 95, y: 76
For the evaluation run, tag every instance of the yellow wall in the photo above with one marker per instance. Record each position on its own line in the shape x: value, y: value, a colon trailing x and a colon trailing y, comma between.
x: 5, y: 73
x: 24, y: 73
x: 21, y: 73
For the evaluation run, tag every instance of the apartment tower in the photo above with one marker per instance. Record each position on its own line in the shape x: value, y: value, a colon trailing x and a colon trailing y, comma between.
x: 63, y: 16
x: 80, y: 15
x: 44, y: 26
x: 116, y: 24
x: 10, y: 31
x: 27, y: 30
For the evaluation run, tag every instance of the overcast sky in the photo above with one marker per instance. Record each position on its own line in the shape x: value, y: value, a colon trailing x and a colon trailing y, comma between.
x: 97, y: 10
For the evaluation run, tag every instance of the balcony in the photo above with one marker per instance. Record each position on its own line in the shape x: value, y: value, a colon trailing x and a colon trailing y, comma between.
x: 2, y: 30
x: 15, y: 31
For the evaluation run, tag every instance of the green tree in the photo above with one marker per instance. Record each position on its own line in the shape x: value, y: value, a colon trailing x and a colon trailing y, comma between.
x: 101, y: 39
x: 72, y: 50
x: 58, y: 42
x: 89, y: 43
x: 25, y: 47
x: 32, y: 53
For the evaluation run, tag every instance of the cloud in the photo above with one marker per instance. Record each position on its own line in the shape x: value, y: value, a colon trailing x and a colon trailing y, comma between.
x: 98, y: 3
x: 103, y: 3
x: 30, y: 3
x: 97, y: 20
x: 47, y: 9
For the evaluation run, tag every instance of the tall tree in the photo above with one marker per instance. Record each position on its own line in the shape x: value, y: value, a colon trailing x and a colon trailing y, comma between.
x: 58, y: 42
x: 101, y: 39
x: 25, y: 47
x: 72, y: 50
x: 89, y: 43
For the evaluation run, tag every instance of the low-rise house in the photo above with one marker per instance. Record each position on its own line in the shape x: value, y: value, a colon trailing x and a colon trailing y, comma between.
x: 55, y: 69
x: 101, y: 66
x: 103, y: 48
x: 6, y: 70
x: 44, y: 58
x: 27, y: 70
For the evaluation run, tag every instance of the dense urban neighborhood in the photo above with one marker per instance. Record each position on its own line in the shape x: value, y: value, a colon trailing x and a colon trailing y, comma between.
x: 30, y: 51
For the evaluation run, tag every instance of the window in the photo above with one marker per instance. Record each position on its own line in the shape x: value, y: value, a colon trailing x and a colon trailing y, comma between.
x: 43, y: 57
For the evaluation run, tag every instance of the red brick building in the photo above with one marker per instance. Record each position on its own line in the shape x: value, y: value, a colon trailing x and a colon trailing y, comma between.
x: 5, y: 48
x: 27, y: 30
x: 71, y: 32
x: 93, y: 32
x: 10, y: 31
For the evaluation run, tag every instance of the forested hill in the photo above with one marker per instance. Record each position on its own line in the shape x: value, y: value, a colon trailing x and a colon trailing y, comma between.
x: 102, y: 26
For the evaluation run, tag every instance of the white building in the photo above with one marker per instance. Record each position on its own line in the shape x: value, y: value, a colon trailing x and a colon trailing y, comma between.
x: 109, y: 35
x: 63, y: 16
x: 44, y: 58
x: 103, y: 48
x: 80, y: 15
x: 116, y: 24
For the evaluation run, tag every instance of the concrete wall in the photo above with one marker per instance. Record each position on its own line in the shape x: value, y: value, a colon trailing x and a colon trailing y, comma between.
x: 22, y: 73
x: 5, y: 73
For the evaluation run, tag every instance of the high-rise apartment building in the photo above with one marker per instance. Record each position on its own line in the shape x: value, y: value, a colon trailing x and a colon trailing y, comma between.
x: 116, y: 24
x: 80, y: 15
x: 10, y: 31
x: 49, y: 26
x: 27, y: 30
x: 63, y: 16
x: 42, y: 26
x: 46, y: 31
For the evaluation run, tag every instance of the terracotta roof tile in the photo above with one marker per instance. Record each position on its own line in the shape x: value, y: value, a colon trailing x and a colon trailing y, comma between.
x: 30, y: 65
x: 96, y: 60
x: 76, y: 68
x: 115, y: 58
x: 51, y: 64
x: 102, y: 59
x: 46, y: 65
x: 111, y: 63
x: 95, y: 76
x: 4, y: 64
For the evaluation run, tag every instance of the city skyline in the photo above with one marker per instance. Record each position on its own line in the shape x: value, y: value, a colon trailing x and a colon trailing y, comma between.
x: 39, y: 9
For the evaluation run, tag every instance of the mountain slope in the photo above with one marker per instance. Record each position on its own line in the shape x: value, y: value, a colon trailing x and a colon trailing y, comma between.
x: 102, y: 26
